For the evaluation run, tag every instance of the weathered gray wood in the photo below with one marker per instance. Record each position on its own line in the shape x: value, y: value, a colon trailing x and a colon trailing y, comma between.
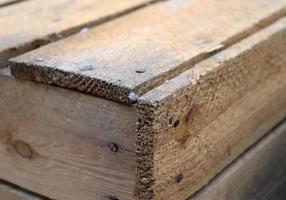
x: 194, y: 125
x: 64, y: 144
x: 260, y: 174
x: 30, y: 24
x: 141, y: 50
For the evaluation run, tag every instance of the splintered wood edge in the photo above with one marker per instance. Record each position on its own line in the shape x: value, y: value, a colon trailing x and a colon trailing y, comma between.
x: 75, y: 81
x: 151, y: 105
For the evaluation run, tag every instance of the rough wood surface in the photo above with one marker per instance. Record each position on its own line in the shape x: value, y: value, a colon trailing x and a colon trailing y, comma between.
x: 8, y: 192
x: 139, y: 51
x: 260, y: 174
x: 194, y: 125
x: 30, y: 24
x: 66, y: 145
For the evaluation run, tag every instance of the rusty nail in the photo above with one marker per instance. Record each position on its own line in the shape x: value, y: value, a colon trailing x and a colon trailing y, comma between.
x: 113, y: 147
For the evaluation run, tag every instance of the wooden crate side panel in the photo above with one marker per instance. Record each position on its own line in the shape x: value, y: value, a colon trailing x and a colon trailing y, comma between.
x: 204, y: 118
x: 66, y: 145
x: 259, y: 174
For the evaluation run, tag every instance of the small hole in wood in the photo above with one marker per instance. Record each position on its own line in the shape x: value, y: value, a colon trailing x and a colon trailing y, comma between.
x: 179, y: 178
x: 177, y: 123
x: 171, y: 121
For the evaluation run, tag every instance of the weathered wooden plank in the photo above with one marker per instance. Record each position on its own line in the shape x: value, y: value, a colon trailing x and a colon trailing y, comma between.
x: 64, y: 144
x: 194, y: 125
x: 139, y: 51
x: 260, y: 174
x: 7, y: 192
x: 30, y: 24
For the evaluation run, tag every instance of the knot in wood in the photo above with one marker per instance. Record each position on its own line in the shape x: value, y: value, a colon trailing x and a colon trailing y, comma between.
x: 23, y: 149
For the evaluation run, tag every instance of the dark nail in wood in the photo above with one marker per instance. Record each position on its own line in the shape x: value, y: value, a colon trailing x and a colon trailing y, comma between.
x: 113, y: 147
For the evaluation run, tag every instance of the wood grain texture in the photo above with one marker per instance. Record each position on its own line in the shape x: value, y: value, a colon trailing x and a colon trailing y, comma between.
x: 161, y: 40
x: 8, y: 192
x: 30, y: 24
x: 197, y: 123
x: 260, y: 174
x: 66, y: 145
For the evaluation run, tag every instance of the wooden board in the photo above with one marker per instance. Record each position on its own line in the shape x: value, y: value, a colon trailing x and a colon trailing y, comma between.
x: 194, y: 125
x: 206, y: 94
x: 142, y: 50
x: 66, y: 145
x: 8, y: 192
x: 260, y: 174
x: 30, y: 24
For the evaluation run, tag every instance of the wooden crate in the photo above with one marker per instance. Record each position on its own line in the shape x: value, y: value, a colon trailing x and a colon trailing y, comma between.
x: 162, y: 98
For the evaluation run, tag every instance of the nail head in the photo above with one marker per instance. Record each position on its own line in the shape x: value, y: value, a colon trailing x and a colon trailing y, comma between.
x: 133, y: 98
x: 113, y: 147
x: 87, y: 67
x: 39, y: 59
x: 140, y: 71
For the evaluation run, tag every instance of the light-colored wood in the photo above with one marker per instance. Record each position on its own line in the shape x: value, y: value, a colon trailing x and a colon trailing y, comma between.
x: 212, y: 80
x: 161, y: 41
x: 58, y: 143
x: 260, y: 174
x: 30, y: 24
x: 8, y: 192
x: 194, y: 125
